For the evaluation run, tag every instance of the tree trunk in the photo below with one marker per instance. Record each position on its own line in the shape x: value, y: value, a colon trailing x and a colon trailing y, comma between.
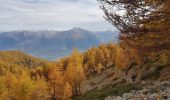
x: 75, y: 89
x: 54, y: 93
x: 79, y: 91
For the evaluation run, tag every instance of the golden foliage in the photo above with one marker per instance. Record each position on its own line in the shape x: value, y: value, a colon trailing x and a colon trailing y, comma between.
x: 29, y: 78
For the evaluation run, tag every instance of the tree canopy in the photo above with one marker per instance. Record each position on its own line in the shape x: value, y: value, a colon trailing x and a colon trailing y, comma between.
x: 144, y: 24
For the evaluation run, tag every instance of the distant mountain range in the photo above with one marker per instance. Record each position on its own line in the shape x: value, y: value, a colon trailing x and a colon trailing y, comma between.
x: 108, y: 36
x: 54, y: 44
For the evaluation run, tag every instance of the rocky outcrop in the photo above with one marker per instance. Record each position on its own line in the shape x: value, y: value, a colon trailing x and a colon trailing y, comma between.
x: 153, y: 91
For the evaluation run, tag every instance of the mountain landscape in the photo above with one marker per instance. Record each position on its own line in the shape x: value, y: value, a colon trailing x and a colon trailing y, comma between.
x: 128, y: 61
x: 54, y: 44
x: 108, y: 36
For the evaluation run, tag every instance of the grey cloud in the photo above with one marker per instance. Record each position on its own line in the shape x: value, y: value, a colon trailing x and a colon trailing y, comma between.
x: 31, y: 1
x: 51, y: 14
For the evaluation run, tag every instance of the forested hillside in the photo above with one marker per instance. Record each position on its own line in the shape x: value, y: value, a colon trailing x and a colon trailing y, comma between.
x: 135, y: 68
x: 24, y: 77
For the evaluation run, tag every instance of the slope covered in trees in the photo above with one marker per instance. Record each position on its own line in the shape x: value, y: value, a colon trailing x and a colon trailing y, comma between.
x: 142, y: 54
x: 143, y: 50
x: 24, y: 77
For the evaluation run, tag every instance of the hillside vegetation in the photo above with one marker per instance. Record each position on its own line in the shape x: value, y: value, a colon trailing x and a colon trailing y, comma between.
x: 139, y: 59
x: 24, y: 77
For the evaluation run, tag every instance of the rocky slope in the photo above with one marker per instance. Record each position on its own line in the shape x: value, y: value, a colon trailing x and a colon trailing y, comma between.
x: 153, y: 91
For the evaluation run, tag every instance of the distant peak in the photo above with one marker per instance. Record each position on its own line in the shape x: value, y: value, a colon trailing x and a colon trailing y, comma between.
x: 78, y: 29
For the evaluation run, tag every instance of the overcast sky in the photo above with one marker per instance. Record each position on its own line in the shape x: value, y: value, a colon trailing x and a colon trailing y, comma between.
x: 51, y: 14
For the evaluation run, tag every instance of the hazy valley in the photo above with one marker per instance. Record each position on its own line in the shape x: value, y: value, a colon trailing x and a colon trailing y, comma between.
x: 54, y: 44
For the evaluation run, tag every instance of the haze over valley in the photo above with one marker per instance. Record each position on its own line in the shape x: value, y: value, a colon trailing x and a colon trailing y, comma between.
x: 54, y: 44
